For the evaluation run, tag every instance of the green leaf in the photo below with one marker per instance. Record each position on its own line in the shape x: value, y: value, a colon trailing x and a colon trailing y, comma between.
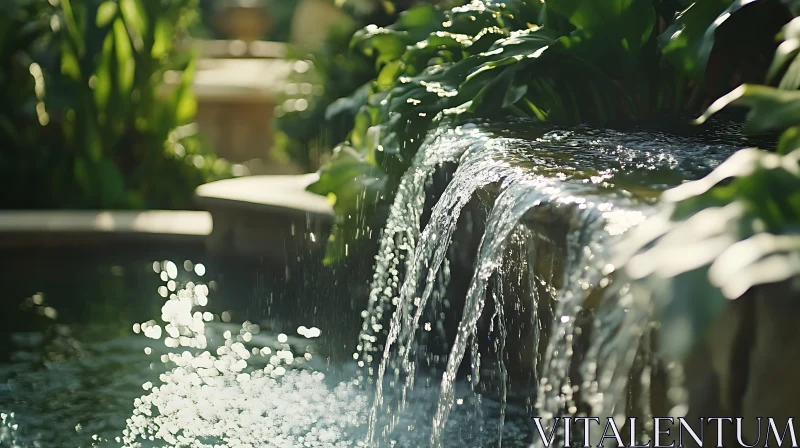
x: 162, y: 38
x: 387, y: 75
x: 514, y: 94
x: 106, y: 12
x: 719, y: 237
x: 691, y: 39
x: 70, y: 66
x: 73, y: 28
x: 356, y: 186
x: 349, y: 105
x: 389, y: 44
x: 629, y: 20
x: 787, y: 53
x: 135, y: 16
x: 770, y: 109
x: 102, y: 74
x: 790, y: 140
x: 184, y: 100
x: 126, y: 64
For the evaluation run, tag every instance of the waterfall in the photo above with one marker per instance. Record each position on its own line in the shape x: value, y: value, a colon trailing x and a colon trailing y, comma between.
x: 541, y: 272
x: 478, y: 168
x: 595, y: 328
x: 516, y: 198
x: 401, y: 232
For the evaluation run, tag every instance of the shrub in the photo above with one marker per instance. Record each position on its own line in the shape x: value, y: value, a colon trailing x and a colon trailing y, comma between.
x: 565, y: 61
x: 88, y: 121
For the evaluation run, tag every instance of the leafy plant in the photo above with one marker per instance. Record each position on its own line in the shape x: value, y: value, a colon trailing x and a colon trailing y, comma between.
x: 562, y: 61
x: 303, y: 132
x: 306, y: 129
x: 718, y: 237
x: 736, y: 229
x: 104, y: 130
x: 714, y: 41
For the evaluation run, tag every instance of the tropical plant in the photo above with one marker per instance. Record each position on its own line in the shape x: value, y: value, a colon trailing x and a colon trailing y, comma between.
x: 562, y: 61
x: 736, y: 229
x: 304, y: 131
x: 93, y: 124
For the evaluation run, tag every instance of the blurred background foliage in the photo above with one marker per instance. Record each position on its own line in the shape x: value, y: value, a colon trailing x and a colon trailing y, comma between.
x: 307, y: 134
x: 87, y: 120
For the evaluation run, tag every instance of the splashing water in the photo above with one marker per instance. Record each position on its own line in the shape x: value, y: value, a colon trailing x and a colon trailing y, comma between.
x: 401, y: 232
x: 208, y: 399
x: 533, y: 175
x: 477, y: 169
x: 561, y: 198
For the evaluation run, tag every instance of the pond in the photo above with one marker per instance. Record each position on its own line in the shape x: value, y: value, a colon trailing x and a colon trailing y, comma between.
x: 87, y: 336
x: 73, y: 352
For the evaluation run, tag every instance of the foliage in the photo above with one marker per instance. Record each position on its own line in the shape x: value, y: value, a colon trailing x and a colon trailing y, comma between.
x: 713, y: 41
x: 562, y: 61
x: 304, y: 131
x: 90, y: 122
x: 739, y: 227
x: 719, y: 236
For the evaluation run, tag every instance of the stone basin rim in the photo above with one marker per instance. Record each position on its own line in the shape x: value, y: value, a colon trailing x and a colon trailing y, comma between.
x: 268, y: 193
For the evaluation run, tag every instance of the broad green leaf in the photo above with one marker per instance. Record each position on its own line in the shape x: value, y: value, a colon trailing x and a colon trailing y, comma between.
x: 770, y: 109
x: 388, y: 44
x: 106, y: 12
x: 631, y: 21
x: 126, y: 64
x: 102, y: 82
x: 787, y: 54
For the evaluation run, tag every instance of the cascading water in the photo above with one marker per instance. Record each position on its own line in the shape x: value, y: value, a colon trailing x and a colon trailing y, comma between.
x: 555, y: 204
x: 591, y: 199
x: 478, y: 168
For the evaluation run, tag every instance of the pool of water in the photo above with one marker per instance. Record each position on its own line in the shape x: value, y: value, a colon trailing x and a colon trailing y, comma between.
x: 148, y: 348
x: 74, y: 356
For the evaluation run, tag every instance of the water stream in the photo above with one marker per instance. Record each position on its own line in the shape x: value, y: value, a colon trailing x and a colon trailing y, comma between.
x: 597, y: 196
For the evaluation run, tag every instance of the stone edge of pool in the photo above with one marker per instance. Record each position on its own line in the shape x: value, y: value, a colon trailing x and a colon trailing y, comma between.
x: 33, y: 228
x: 250, y: 216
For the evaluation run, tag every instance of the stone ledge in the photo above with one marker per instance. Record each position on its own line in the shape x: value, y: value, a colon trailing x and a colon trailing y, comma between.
x: 270, y: 216
x: 34, y: 227
x: 270, y: 194
x: 221, y: 49
x: 237, y: 80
